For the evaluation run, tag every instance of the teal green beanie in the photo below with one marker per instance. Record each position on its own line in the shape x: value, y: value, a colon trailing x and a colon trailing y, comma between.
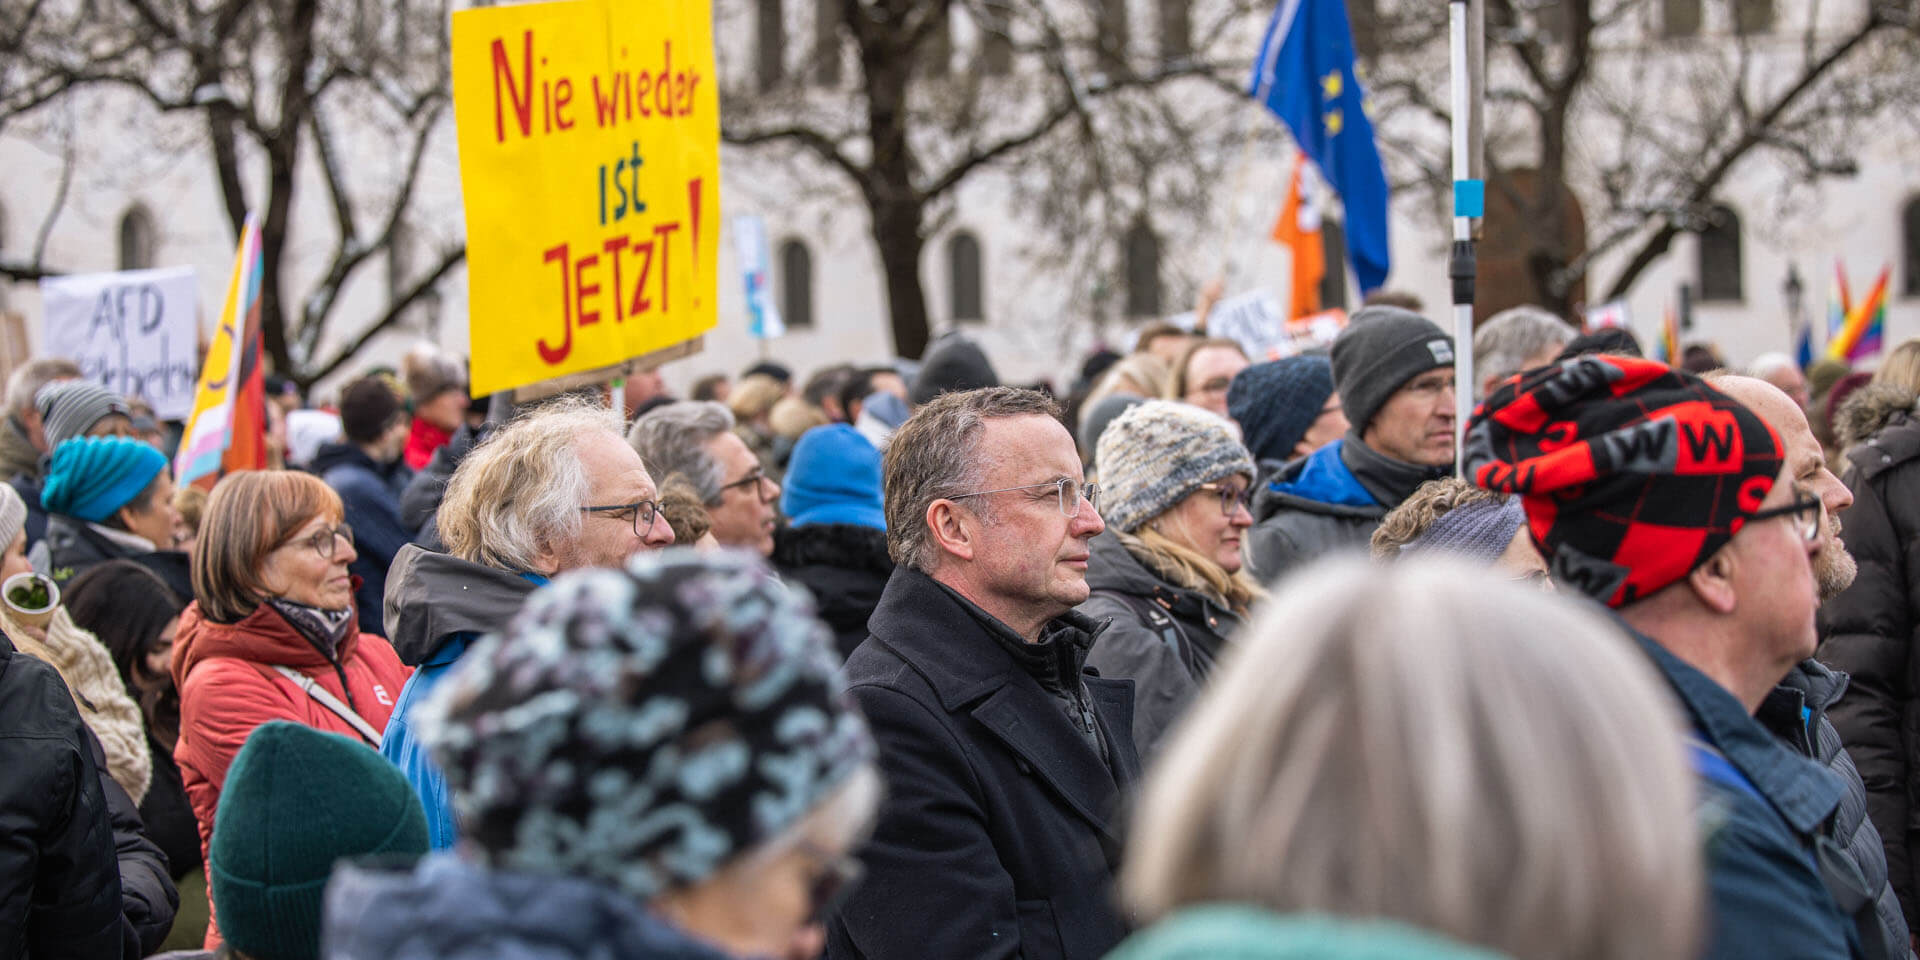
x: 92, y: 477
x: 296, y: 801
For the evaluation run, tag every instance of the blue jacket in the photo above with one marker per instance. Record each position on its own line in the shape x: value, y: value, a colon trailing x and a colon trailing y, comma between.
x: 371, y: 495
x: 449, y: 909
x: 1766, y: 894
x: 437, y: 607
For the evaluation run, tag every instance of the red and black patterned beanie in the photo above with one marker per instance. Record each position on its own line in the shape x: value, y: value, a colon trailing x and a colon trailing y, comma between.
x: 1632, y: 473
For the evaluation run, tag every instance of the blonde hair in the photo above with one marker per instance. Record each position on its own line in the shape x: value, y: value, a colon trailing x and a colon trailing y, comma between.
x: 1186, y: 567
x: 520, y: 491
x: 754, y: 397
x: 1176, y: 388
x: 1415, y: 515
x: 1424, y: 743
x: 1901, y: 369
x: 1138, y: 373
x: 249, y: 515
x: 793, y: 416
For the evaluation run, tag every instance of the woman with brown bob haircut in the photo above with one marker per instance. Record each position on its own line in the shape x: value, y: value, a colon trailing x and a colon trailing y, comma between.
x: 272, y: 635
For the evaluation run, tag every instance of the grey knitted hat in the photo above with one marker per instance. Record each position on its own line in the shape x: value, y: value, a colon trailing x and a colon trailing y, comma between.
x: 69, y: 408
x: 1477, y: 531
x: 1153, y: 455
x: 13, y: 515
x: 1379, y: 351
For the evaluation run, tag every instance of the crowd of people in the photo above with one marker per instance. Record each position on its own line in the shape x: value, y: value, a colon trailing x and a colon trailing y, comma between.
x: 1202, y: 656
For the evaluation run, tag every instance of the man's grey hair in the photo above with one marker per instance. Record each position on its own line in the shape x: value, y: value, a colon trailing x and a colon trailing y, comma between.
x: 521, y: 490
x: 674, y: 438
x: 1768, y: 364
x: 26, y: 382
x: 936, y: 455
x: 1503, y: 345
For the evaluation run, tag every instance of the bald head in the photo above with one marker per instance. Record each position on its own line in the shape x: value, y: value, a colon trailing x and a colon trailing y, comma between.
x: 1807, y: 466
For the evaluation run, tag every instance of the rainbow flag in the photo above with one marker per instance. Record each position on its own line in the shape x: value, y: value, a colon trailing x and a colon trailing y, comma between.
x: 1666, y: 349
x: 231, y: 367
x: 1863, y: 331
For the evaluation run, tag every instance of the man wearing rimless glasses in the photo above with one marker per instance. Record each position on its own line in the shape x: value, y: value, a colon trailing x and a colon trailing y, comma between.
x: 1684, y: 511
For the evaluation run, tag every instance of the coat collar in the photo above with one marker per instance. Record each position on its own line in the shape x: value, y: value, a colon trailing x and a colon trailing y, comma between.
x: 925, y: 626
x: 1802, y: 791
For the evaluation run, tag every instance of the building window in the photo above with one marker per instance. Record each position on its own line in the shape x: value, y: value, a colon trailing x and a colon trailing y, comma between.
x: 136, y: 239
x: 1176, y: 31
x: 1333, y: 251
x: 936, y: 51
x: 996, y: 47
x: 1910, y: 248
x: 796, y: 284
x: 1143, y: 271
x: 1113, y: 36
x: 1752, y: 17
x: 1554, y: 19
x: 771, y: 41
x: 1720, y: 256
x: 963, y: 272
x: 1680, y: 18
x: 1364, y: 18
x: 826, y: 41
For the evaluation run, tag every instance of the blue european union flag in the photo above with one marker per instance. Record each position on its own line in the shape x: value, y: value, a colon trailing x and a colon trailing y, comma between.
x: 1305, y: 76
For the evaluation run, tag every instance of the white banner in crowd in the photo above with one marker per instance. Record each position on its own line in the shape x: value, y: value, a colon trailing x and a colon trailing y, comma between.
x: 1254, y: 320
x: 763, y: 316
x: 135, y: 332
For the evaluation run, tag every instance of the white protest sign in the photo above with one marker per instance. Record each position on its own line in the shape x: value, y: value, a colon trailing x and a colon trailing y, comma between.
x: 1253, y: 320
x: 763, y: 316
x: 134, y: 332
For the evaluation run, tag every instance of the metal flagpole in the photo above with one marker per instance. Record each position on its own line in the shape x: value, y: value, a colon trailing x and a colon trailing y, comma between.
x: 1469, y: 201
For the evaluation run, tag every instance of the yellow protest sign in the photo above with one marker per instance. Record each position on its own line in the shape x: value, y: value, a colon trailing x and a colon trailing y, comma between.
x: 589, y: 135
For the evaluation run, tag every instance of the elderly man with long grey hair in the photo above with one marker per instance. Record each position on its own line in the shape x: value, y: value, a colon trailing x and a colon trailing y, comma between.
x: 553, y: 491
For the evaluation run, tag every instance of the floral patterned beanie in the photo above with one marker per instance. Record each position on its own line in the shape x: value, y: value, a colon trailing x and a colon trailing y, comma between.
x: 642, y: 727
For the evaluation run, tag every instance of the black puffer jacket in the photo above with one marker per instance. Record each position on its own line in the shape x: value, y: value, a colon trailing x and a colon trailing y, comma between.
x: 1869, y: 631
x: 1796, y: 712
x: 845, y: 566
x: 59, y: 879
x: 1163, y: 637
x: 148, y: 898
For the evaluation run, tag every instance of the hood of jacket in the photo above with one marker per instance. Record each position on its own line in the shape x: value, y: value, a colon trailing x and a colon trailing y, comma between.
x: 433, y: 596
x: 846, y: 546
x: 1239, y: 932
x: 1114, y: 567
x: 1869, y: 410
x: 1320, y: 482
x: 340, y: 454
x: 263, y: 636
x: 446, y: 907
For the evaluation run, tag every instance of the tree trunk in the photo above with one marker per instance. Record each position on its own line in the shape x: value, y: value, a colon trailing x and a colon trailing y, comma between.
x: 896, y: 231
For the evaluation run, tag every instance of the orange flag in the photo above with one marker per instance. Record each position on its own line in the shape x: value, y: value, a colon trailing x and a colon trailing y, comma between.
x: 1298, y: 229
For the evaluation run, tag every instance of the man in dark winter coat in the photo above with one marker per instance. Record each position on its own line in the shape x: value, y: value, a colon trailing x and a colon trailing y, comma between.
x: 1005, y: 764
x: 59, y: 878
x: 368, y: 474
x: 1796, y: 711
x: 1871, y: 630
x: 836, y: 543
x: 1393, y: 370
x: 1676, y: 505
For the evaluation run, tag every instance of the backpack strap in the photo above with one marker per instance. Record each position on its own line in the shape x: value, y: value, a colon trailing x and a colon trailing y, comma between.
x: 325, y: 698
x: 1156, y: 619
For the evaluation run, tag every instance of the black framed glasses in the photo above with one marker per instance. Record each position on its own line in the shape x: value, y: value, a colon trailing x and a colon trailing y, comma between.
x: 1071, y: 491
x: 757, y: 478
x: 1814, y: 509
x: 640, y: 513
x: 325, y: 541
x: 1231, y: 499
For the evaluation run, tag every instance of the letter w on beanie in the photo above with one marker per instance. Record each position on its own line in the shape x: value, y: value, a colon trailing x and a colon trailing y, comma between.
x: 1632, y: 473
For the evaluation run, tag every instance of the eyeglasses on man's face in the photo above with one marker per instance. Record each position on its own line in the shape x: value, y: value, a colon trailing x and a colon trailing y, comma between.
x: 1808, y: 512
x: 640, y: 513
x: 757, y: 479
x: 1070, y: 491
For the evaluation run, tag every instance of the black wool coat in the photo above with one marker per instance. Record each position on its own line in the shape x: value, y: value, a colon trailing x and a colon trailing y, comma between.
x: 1000, y: 832
x: 844, y: 566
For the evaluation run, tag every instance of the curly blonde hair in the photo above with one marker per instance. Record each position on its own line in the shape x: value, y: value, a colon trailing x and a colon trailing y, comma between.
x: 1414, y: 516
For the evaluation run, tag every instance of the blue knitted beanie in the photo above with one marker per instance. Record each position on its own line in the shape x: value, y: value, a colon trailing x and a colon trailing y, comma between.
x: 1276, y: 402
x: 91, y: 477
x: 834, y: 477
x: 1478, y: 531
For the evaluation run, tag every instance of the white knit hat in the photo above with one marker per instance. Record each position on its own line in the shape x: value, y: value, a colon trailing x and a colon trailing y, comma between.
x: 13, y: 515
x: 1153, y: 455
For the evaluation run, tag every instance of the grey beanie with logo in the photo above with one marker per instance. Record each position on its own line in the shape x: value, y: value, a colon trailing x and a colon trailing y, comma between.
x: 1380, y: 350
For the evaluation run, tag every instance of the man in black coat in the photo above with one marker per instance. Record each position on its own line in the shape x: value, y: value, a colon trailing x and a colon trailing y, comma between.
x: 1005, y: 764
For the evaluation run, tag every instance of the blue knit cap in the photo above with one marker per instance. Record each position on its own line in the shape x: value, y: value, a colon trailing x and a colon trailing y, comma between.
x: 834, y: 477
x: 91, y: 477
x: 1276, y: 402
x: 1478, y: 531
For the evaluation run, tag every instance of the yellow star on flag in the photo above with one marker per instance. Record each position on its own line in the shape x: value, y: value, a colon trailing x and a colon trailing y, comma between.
x: 1334, y: 123
x: 1331, y: 85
